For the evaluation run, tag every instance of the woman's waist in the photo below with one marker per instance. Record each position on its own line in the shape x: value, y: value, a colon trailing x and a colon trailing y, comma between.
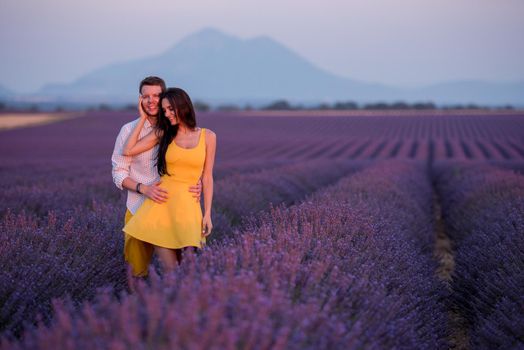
x: 178, y: 180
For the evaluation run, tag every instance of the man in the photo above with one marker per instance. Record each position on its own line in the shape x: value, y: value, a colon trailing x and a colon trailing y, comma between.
x: 138, y: 174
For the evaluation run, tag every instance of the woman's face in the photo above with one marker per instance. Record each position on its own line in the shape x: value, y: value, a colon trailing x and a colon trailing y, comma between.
x: 169, y: 112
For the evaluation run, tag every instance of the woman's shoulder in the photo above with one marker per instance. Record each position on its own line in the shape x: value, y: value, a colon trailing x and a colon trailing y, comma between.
x: 209, y: 133
x: 210, y: 136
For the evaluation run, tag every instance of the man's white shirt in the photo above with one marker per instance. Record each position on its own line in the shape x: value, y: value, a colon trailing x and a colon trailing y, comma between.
x: 141, y: 167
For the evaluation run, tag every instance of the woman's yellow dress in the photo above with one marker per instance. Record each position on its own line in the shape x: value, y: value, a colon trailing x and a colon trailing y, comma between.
x: 176, y: 223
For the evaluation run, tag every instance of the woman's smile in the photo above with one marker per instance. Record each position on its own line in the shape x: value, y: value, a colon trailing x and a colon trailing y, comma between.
x: 172, y: 119
x: 169, y: 112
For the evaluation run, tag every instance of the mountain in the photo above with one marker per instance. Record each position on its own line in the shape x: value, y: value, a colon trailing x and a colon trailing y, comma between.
x: 213, y: 66
x: 216, y: 66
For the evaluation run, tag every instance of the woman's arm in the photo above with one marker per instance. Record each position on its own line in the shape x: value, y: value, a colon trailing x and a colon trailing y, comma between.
x: 135, y: 146
x: 207, y: 180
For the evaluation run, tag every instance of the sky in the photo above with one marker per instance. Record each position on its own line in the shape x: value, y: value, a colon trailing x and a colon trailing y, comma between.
x: 394, y: 42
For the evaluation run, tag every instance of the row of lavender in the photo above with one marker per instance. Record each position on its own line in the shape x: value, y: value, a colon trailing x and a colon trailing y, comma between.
x: 440, y: 125
x: 240, y: 196
x: 350, y: 267
x: 362, y: 148
x: 496, y: 138
x: 483, y: 208
x: 73, y: 248
x: 39, y: 186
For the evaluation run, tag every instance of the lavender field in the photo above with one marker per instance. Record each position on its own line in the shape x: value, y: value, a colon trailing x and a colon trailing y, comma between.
x: 331, y: 232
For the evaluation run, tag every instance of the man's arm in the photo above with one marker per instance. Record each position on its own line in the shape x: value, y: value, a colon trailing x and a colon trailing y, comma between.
x: 120, y: 164
x: 154, y: 192
x: 121, y: 171
x: 196, y: 190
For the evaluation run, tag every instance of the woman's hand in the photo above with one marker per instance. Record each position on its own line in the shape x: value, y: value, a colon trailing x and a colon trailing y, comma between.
x: 207, y: 225
x: 141, y: 111
x: 135, y: 146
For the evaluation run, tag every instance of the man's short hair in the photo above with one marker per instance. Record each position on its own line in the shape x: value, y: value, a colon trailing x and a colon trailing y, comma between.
x: 152, y: 80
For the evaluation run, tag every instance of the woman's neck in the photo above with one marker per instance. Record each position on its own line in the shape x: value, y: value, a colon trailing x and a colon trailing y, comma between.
x: 183, y: 129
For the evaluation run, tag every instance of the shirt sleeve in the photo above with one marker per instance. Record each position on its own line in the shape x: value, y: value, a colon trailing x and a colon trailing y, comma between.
x: 121, y: 164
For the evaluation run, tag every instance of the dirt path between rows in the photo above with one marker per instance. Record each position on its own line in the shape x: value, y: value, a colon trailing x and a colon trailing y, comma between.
x: 459, y: 337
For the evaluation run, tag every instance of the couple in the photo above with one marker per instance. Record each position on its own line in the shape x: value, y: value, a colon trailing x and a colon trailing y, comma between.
x: 164, y: 161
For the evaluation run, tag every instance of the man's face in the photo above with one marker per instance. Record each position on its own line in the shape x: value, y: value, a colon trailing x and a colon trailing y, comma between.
x: 150, y: 99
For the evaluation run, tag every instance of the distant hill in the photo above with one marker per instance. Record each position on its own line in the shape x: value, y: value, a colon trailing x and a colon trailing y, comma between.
x: 463, y: 92
x: 214, y: 66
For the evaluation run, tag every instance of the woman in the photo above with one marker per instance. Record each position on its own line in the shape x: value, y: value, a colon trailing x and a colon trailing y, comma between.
x: 185, y: 154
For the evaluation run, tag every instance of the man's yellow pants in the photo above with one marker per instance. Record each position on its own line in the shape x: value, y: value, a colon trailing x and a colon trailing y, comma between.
x: 137, y: 253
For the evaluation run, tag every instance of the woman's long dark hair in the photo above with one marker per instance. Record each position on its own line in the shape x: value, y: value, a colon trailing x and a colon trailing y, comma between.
x: 184, y: 112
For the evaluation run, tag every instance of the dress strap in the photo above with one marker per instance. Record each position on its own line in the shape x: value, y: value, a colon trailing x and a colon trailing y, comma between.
x: 202, y: 136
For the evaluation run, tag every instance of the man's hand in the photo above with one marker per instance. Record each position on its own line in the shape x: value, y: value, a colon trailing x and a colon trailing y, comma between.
x: 155, y: 192
x: 196, y: 190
